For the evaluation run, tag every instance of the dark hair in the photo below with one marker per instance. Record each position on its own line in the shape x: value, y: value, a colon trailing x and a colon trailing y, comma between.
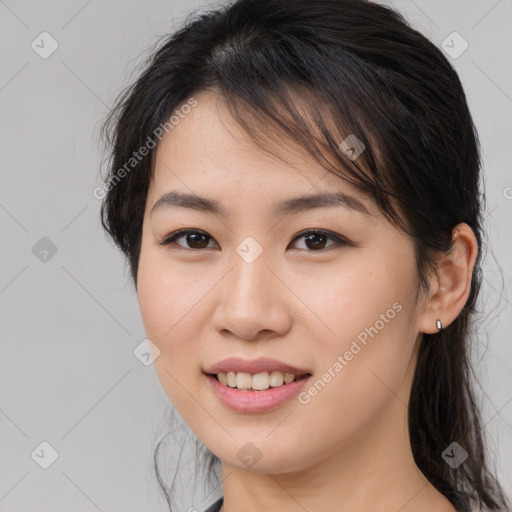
x: 318, y: 71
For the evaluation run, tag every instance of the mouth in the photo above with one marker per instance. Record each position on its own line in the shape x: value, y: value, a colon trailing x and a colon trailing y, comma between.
x: 261, y: 381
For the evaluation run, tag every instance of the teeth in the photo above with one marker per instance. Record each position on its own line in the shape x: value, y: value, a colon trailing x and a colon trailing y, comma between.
x: 258, y: 381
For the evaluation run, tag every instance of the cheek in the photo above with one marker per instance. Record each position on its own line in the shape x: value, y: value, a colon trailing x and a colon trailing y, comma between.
x: 168, y: 296
x: 364, y: 357
x: 171, y: 313
x: 363, y: 293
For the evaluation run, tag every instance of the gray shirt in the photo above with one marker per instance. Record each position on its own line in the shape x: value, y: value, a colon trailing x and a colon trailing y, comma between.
x: 216, y: 506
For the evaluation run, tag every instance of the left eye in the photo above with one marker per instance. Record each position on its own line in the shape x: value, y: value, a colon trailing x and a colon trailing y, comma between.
x: 319, y: 238
x: 314, y: 239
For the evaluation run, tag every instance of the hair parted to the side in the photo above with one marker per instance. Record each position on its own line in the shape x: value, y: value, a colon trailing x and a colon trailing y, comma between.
x: 359, y: 68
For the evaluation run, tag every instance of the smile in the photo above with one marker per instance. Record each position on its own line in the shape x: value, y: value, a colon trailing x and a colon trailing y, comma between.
x: 257, y: 382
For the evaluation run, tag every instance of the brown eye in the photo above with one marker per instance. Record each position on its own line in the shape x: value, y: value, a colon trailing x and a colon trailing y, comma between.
x: 316, y: 240
x: 194, y: 239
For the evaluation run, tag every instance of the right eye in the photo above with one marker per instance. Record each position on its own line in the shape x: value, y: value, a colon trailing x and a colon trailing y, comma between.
x: 194, y: 238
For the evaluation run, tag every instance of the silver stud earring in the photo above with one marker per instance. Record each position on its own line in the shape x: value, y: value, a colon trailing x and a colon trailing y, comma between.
x: 439, y: 324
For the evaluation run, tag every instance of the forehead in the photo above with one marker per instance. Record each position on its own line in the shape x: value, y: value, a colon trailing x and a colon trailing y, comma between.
x: 208, y: 149
x: 209, y: 144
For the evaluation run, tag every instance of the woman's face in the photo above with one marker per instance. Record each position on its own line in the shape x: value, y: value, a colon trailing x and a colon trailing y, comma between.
x: 256, y: 283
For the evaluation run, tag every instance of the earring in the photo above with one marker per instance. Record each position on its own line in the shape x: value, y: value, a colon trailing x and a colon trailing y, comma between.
x: 439, y: 324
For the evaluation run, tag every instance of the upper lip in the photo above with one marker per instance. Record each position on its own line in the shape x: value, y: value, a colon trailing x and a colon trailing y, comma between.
x: 262, y: 364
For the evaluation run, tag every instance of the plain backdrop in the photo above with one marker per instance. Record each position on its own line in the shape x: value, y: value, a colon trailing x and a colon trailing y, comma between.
x: 69, y: 316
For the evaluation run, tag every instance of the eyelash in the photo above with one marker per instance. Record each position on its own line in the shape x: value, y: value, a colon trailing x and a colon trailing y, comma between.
x: 170, y: 240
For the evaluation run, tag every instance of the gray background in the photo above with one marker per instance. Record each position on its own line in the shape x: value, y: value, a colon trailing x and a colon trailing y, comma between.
x: 70, y: 324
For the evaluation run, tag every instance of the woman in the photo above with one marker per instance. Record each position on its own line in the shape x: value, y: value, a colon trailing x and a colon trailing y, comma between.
x: 295, y: 186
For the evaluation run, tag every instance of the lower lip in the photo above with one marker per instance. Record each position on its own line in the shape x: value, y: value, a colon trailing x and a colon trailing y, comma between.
x: 255, y: 401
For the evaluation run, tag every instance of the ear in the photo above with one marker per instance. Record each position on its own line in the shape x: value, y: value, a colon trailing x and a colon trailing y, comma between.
x: 450, y: 284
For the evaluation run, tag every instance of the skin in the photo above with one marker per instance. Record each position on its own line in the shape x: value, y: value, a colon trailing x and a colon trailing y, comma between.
x: 347, y: 449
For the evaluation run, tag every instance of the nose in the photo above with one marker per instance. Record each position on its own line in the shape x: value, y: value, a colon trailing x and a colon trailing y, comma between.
x: 252, y: 303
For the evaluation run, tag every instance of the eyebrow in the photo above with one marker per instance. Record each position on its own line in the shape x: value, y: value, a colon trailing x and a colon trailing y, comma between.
x: 285, y: 207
